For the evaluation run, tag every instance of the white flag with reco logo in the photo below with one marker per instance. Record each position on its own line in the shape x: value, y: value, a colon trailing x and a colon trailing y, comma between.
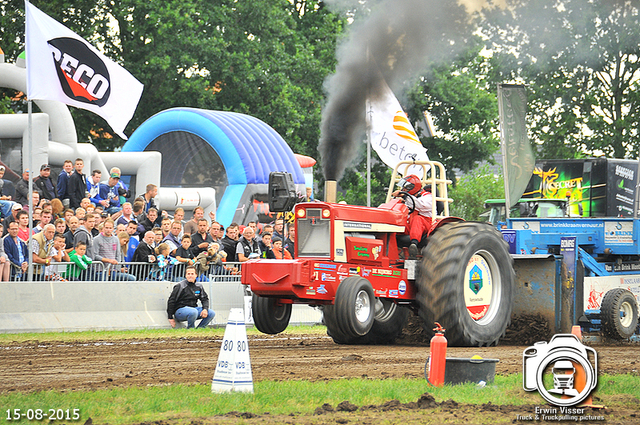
x: 62, y: 66
x: 392, y: 135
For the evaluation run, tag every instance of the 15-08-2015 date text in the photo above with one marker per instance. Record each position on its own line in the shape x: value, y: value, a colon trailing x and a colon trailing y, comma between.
x: 43, y: 414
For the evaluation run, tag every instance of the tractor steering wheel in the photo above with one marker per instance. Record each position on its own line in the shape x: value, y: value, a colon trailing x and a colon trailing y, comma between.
x: 405, y: 195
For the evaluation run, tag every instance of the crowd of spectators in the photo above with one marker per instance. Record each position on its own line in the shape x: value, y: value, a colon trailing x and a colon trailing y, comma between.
x: 89, y: 221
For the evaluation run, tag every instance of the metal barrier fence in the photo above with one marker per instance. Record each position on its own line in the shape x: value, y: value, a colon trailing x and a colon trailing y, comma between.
x: 98, y: 271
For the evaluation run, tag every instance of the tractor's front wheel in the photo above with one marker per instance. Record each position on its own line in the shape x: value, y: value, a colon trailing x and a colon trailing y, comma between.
x: 355, y: 306
x: 269, y: 315
x: 465, y: 283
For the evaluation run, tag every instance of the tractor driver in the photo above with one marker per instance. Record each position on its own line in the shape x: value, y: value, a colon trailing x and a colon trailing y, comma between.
x: 420, y: 218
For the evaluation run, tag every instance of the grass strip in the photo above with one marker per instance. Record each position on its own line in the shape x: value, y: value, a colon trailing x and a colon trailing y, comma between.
x: 144, y: 334
x: 136, y: 404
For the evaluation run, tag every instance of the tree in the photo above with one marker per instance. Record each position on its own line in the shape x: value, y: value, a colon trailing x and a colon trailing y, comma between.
x: 464, y: 108
x: 581, y: 60
x: 265, y: 58
x: 473, y: 190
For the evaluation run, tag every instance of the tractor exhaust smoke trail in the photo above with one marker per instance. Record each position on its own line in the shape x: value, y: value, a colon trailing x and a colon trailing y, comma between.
x: 396, y: 41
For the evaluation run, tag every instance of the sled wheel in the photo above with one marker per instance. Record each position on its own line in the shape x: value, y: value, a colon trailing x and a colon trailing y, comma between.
x: 269, y: 315
x: 465, y: 283
x: 355, y: 306
x: 619, y: 314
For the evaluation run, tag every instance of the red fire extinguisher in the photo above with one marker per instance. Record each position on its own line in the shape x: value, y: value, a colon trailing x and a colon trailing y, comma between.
x: 437, y: 357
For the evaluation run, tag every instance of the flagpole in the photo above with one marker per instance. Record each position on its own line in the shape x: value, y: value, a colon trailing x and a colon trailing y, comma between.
x: 30, y: 200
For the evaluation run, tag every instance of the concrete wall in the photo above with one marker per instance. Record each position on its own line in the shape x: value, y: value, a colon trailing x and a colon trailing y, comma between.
x: 74, y: 306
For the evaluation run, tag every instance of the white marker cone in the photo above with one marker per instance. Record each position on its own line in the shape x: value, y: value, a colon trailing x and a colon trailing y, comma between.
x: 233, y: 370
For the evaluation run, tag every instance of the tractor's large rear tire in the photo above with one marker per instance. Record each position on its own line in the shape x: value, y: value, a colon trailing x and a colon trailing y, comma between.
x: 465, y: 282
x: 269, y: 315
x: 387, y: 325
x: 619, y: 314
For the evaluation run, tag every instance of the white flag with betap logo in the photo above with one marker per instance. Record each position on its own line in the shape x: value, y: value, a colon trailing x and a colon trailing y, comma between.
x: 391, y: 134
x: 63, y: 66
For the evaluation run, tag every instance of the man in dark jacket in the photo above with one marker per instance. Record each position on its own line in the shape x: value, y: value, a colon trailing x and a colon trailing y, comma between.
x: 183, y: 302
x: 44, y: 185
x: 144, y: 253
x: 22, y: 189
x: 230, y: 241
x: 77, y: 185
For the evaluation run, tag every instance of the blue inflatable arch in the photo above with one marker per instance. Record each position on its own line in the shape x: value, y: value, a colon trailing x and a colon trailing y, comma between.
x: 247, y: 148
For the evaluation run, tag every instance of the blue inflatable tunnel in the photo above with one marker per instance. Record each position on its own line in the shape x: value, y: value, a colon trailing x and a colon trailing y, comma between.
x: 231, y: 152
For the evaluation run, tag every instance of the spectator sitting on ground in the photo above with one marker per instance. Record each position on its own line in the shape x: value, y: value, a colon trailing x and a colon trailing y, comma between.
x: 106, y: 248
x: 109, y: 192
x: 201, y: 239
x: 278, y: 251
x: 81, y: 262
x: 5, y: 263
x: 43, y: 183
x: 182, y: 304
x: 16, y: 250
x: 93, y: 187
x: 248, y: 246
x: 63, y: 182
x: 191, y: 226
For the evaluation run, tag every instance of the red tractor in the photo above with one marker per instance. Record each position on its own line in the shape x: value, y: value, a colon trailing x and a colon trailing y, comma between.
x: 352, y: 261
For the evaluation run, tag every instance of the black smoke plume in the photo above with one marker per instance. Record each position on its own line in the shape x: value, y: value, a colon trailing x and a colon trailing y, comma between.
x: 395, y: 42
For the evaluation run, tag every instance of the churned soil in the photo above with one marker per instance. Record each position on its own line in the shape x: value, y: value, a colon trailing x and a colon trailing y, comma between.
x: 71, y: 366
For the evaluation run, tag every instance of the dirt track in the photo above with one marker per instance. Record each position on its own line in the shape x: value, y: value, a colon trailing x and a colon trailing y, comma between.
x: 34, y: 366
